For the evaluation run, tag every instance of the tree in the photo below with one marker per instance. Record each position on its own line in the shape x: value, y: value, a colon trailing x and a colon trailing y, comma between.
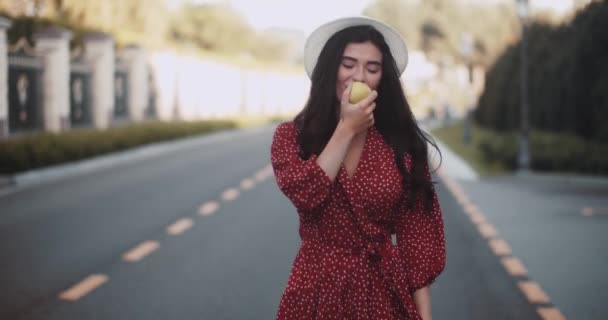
x: 436, y: 27
x: 430, y: 33
x: 213, y: 27
x: 127, y: 20
x: 567, y: 79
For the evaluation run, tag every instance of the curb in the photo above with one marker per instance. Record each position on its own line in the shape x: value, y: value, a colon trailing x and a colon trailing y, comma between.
x: 6, y: 181
x: 562, y: 178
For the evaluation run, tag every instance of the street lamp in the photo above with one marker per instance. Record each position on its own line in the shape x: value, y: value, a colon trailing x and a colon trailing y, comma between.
x: 523, y: 158
x: 466, y: 49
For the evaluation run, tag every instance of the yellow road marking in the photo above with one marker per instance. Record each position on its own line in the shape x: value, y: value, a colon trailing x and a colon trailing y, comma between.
x: 464, y: 201
x: 533, y: 292
x: 487, y: 230
x: 514, y: 266
x: 268, y: 170
x: 92, y: 282
x: 550, y: 314
x: 180, y: 226
x: 230, y: 194
x: 477, y: 217
x: 470, y: 207
x: 472, y: 210
x: 500, y: 247
x: 588, y: 211
x: 247, y: 184
x: 260, y: 176
x: 264, y: 173
x: 84, y: 287
x: 141, y: 251
x: 208, y: 208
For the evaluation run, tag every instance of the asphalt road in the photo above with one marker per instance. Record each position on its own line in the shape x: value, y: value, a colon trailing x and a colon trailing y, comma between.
x: 229, y: 263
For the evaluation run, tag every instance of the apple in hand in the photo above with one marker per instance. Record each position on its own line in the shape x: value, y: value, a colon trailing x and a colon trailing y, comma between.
x: 359, y: 91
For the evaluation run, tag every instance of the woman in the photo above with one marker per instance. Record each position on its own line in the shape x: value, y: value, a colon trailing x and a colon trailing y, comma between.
x: 358, y: 173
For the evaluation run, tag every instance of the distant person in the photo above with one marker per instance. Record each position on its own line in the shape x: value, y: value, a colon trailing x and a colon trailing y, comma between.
x: 358, y: 173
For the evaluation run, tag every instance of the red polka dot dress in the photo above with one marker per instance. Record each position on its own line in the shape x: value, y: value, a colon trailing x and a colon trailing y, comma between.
x: 347, y: 266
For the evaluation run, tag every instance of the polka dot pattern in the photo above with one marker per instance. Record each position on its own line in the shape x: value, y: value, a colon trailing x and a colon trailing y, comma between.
x: 347, y: 266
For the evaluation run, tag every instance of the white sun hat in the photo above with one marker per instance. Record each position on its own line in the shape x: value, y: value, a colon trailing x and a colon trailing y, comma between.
x: 317, y: 39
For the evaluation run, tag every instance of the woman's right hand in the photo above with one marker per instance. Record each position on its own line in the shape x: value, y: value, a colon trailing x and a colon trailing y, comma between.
x: 357, y: 117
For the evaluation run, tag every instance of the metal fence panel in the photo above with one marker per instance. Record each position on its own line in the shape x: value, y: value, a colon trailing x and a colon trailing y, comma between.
x: 80, y: 98
x: 26, y: 111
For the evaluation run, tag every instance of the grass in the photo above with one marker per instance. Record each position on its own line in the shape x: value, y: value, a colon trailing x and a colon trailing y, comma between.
x: 251, y: 121
x: 42, y: 149
x: 451, y: 135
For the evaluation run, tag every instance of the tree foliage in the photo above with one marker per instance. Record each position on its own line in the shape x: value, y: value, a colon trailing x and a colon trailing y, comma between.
x: 437, y: 27
x: 216, y: 27
x: 129, y: 21
x: 220, y: 28
x: 568, y: 79
x: 213, y: 27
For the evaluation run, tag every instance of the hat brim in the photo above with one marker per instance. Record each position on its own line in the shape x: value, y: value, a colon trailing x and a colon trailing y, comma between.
x: 317, y: 39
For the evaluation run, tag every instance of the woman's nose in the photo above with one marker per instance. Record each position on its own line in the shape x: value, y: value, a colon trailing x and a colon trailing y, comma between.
x: 359, y: 74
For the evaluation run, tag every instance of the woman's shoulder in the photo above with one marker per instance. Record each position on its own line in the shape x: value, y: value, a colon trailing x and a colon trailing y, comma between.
x: 287, y: 128
x: 284, y: 137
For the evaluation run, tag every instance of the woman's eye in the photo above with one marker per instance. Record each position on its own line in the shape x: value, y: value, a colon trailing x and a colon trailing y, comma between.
x: 348, y: 66
x: 373, y: 70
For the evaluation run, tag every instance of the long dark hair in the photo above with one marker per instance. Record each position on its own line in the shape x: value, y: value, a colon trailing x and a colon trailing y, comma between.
x: 393, y: 117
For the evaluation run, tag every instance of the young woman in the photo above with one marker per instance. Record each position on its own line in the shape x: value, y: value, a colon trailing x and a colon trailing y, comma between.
x: 358, y: 173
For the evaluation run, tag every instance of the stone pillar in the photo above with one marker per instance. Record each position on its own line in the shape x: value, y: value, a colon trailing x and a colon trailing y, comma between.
x: 163, y: 66
x: 4, y: 24
x: 99, y: 55
x: 135, y: 57
x: 53, y: 43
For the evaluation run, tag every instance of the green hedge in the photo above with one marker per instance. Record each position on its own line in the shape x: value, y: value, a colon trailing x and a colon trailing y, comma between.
x: 548, y: 152
x: 568, y: 79
x: 44, y: 149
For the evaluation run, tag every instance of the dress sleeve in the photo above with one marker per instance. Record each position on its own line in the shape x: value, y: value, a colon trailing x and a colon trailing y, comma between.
x: 421, y: 241
x: 302, y: 181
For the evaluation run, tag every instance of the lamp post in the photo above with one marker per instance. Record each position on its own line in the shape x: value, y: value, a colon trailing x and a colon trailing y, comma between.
x: 466, y: 49
x: 523, y: 158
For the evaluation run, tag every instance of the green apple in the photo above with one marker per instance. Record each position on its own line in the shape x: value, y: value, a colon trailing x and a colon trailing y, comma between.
x: 358, y: 92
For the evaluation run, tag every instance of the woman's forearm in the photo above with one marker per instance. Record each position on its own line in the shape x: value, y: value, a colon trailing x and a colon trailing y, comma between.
x: 332, y: 156
x: 422, y: 297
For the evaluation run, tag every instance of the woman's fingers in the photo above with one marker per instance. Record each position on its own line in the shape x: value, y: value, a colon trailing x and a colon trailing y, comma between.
x: 370, y: 109
x: 344, y: 100
x: 369, y: 99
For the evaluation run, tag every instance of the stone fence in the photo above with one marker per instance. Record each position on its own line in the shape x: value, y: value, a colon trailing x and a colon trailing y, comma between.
x: 50, y: 87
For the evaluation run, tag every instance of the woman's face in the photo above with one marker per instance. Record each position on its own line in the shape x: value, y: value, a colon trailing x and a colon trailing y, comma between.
x: 360, y: 62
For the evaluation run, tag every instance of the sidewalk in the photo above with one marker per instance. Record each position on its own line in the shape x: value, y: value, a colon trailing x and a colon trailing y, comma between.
x: 555, y: 224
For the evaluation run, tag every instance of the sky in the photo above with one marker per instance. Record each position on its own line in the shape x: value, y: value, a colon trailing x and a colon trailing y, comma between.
x: 303, y: 15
